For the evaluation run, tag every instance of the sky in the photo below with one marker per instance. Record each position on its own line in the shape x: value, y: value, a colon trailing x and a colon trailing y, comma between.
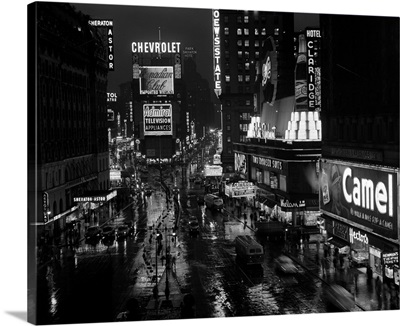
x: 13, y: 241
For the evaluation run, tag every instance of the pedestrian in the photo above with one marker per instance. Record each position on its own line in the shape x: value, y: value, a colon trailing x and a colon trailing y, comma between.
x: 132, y: 313
x: 355, y: 278
x: 385, y: 294
x: 187, y: 306
x: 378, y: 290
x: 369, y: 275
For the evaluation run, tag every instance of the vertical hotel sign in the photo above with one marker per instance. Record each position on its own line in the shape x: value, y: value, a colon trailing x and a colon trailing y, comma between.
x: 108, y: 24
x: 313, y: 39
x: 216, y: 52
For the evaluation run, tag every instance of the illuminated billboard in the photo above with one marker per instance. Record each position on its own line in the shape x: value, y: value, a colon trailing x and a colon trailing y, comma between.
x: 362, y: 194
x: 156, y: 80
x: 157, y: 119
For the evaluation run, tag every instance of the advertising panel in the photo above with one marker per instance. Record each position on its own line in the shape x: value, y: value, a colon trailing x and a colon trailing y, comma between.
x: 156, y: 80
x: 363, y: 194
x: 157, y: 119
x: 213, y: 171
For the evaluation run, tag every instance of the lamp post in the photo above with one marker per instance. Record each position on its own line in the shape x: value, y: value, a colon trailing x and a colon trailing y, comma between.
x: 168, y: 262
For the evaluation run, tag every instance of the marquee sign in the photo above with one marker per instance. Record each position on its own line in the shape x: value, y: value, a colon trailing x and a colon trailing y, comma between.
x: 363, y: 194
x: 157, y: 119
x: 156, y: 80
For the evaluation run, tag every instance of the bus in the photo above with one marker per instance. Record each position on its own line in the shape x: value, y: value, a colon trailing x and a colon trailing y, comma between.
x: 248, y: 250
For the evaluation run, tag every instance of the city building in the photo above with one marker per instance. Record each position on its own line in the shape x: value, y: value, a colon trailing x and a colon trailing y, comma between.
x: 271, y: 131
x: 359, y: 167
x: 68, y: 155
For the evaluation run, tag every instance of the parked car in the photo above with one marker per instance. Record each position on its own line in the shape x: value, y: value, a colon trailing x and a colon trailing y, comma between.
x: 93, y: 233
x: 124, y: 231
x: 108, y: 232
x: 285, y: 265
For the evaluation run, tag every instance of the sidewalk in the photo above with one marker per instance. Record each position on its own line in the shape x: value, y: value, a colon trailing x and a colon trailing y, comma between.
x: 353, y: 279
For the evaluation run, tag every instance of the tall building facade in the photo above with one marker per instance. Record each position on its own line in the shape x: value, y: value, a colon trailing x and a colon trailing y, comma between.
x: 238, y: 44
x: 359, y: 171
x: 67, y: 111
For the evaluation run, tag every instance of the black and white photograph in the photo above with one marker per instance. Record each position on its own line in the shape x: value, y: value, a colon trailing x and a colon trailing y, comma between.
x: 211, y: 162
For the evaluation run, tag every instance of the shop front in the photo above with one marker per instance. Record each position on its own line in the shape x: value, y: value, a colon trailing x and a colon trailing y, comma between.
x: 362, y: 200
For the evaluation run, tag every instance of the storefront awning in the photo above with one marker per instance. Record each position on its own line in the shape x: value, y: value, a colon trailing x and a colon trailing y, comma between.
x: 337, y: 242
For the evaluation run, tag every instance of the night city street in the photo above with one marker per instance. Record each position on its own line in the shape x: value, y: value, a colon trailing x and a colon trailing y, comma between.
x: 197, y: 164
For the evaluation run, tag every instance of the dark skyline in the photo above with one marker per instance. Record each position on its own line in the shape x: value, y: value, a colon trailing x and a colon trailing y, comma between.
x: 190, y: 26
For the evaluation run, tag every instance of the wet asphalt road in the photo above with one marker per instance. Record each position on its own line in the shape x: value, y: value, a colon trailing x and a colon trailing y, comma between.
x: 94, y: 284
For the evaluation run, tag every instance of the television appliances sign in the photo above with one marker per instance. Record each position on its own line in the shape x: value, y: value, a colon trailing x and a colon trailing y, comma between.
x: 157, y: 119
x: 363, y: 194
x: 156, y: 80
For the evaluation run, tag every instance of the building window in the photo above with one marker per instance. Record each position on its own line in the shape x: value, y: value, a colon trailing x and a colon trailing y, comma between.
x: 240, y: 54
x: 247, y: 78
x: 257, y: 55
x: 256, y: 43
x: 246, y: 19
x: 246, y: 31
x: 246, y: 43
x: 240, y: 78
x: 247, y: 55
x: 239, y: 19
x: 243, y: 126
x: 228, y: 128
x: 226, y: 54
x: 282, y: 182
x: 227, y: 78
x: 226, y: 30
x: 248, y: 102
x: 276, y: 31
x: 228, y: 139
x: 226, y: 19
x: 247, y: 66
x: 239, y: 31
x: 264, y: 31
x: 240, y: 43
x: 256, y: 31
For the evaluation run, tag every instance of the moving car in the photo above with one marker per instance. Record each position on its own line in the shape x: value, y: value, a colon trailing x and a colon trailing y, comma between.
x: 108, y: 232
x: 124, y: 231
x: 285, y: 265
x: 194, y: 227
x: 93, y: 233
